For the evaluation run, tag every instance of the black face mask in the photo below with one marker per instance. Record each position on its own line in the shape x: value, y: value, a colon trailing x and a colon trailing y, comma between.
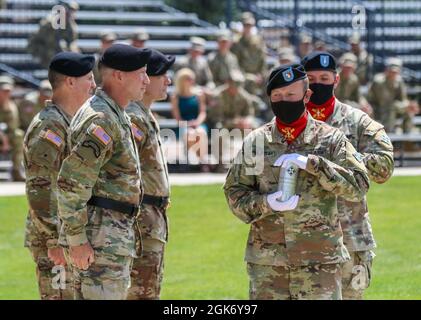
x: 321, y: 93
x: 288, y: 111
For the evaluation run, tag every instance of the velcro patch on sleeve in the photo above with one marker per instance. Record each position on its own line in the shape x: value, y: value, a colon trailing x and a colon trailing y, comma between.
x: 54, y: 138
x: 99, y: 133
x: 138, y: 134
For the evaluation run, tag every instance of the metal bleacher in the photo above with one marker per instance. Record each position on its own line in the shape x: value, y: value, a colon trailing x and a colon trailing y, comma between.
x: 169, y: 29
x: 395, y: 26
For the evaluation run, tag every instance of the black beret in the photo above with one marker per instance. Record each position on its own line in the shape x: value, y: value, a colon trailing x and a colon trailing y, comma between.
x: 124, y: 57
x: 319, y: 60
x: 72, y: 64
x: 285, y: 75
x: 159, y: 63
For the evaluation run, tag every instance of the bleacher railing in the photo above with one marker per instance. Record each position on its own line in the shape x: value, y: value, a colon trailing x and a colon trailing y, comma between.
x: 333, y: 21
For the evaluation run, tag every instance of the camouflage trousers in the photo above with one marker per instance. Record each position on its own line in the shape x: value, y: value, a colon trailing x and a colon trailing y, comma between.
x: 52, y: 284
x: 108, y: 278
x: 356, y: 275
x: 314, y: 282
x: 147, y: 271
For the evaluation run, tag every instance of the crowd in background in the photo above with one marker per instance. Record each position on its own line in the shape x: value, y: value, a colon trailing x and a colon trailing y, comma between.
x: 221, y: 89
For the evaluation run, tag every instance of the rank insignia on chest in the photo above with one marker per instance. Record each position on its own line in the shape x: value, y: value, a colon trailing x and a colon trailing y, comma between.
x: 53, y: 138
x: 138, y: 134
x: 101, y: 135
x: 288, y: 133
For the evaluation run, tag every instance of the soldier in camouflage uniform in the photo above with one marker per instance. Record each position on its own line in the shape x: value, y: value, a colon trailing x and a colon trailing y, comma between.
x: 222, y: 61
x: 364, y: 59
x: 147, y: 271
x: 50, y: 40
x: 250, y: 50
x: 348, y: 89
x: 387, y: 95
x: 198, y: 63
x: 107, y: 38
x: 45, y: 147
x: 370, y: 139
x: 139, y: 37
x: 99, y: 187
x: 33, y: 103
x: 234, y: 106
x: 295, y: 247
x: 11, y: 137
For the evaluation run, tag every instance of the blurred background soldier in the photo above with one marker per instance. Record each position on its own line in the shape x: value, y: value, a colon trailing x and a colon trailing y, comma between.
x: 250, y: 50
x: 34, y: 102
x: 348, y: 89
x: 387, y: 95
x: 50, y: 40
x: 364, y: 60
x: 305, y: 45
x: 234, y: 108
x: 223, y: 61
x: 286, y: 56
x: 107, y: 37
x: 198, y: 63
x: 11, y: 136
x: 139, y: 38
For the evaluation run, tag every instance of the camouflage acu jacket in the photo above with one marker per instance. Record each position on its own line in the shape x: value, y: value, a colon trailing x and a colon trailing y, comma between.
x: 45, y: 147
x: 370, y: 139
x: 103, y: 162
x: 311, y: 233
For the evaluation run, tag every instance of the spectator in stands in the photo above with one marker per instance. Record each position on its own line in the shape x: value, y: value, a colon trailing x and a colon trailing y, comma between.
x: 107, y: 38
x: 223, y: 61
x: 50, y: 40
x: 320, y: 45
x: 235, y: 106
x: 348, y: 89
x: 305, y: 45
x: 139, y: 38
x: 364, y: 60
x: 198, y: 63
x: 189, y: 104
x: 387, y: 95
x: 12, y: 137
x: 250, y: 50
x: 286, y: 56
x: 34, y: 102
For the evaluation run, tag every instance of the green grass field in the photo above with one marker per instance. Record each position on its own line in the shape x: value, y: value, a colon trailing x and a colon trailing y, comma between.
x: 204, y: 258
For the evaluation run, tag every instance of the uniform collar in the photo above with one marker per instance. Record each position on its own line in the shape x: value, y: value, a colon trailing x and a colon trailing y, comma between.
x: 66, y: 117
x: 114, y: 106
x: 307, y: 136
x: 336, y: 117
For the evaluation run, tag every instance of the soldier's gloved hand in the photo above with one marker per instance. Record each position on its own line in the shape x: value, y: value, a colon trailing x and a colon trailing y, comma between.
x: 56, y: 255
x: 298, y: 159
x: 278, y: 205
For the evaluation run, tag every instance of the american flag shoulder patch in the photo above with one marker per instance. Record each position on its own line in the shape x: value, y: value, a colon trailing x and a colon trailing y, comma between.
x: 101, y: 135
x: 138, y: 134
x: 53, y: 138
